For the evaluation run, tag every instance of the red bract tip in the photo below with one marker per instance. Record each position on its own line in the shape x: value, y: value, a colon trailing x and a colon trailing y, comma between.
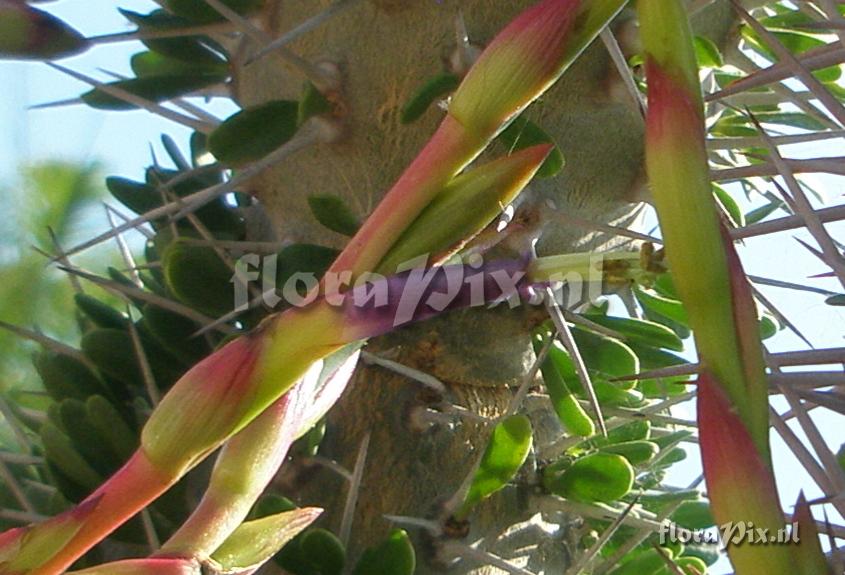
x: 205, y: 405
x: 740, y: 483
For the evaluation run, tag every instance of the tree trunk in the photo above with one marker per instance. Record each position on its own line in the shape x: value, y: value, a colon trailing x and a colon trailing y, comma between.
x: 387, y: 49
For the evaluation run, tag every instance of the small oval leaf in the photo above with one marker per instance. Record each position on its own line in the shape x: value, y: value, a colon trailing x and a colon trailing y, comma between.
x: 155, y: 89
x: 507, y: 450
x: 333, y: 213
x: 254, y: 132
x: 395, y: 556
x: 437, y: 87
x: 602, y: 477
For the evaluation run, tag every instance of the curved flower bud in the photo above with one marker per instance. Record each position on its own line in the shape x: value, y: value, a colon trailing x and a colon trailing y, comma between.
x: 740, y: 483
x: 525, y: 59
x: 29, y: 33
x: 25, y: 549
x: 255, y: 542
x: 465, y: 207
x: 251, y: 459
x: 680, y: 185
x: 151, y: 566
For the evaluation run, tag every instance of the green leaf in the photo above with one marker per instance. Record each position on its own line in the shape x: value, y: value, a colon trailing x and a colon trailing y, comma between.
x: 271, y: 504
x: 569, y: 411
x: 606, y: 356
x: 312, y: 103
x: 152, y: 64
x: 708, y: 53
x: 112, y: 351
x: 636, y: 452
x: 175, y: 333
x: 103, y: 315
x: 255, y: 542
x: 523, y: 133
x: 665, y: 307
x: 60, y: 451
x: 333, y: 213
x: 729, y: 205
x: 636, y: 430
x: 602, y: 477
x: 105, y: 418
x: 66, y: 377
x: 671, y: 439
x: 199, y: 11
x: 611, y: 395
x: 136, y: 196
x: 86, y: 438
x: 395, y: 556
x: 507, y: 450
x: 154, y: 89
x: 796, y: 42
x: 768, y: 327
x: 199, y: 278
x: 641, y: 331
x: 694, y: 515
x: 836, y: 300
x: 192, y: 50
x: 675, y: 455
x: 437, y: 87
x: 303, y: 258
x: 254, y: 132
x: 315, y: 552
x: 761, y: 213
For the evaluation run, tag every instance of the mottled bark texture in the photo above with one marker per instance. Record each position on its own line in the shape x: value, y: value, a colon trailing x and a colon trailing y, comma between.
x: 386, y: 50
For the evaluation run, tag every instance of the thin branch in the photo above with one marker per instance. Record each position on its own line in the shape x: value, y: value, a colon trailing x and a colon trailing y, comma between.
x: 815, y: 59
x: 426, y: 379
x: 622, y: 67
x: 825, y: 216
x: 778, y: 315
x: 141, y: 355
x: 125, y: 252
x: 15, y: 488
x: 750, y: 142
x: 568, y: 341
x: 318, y: 76
x: 832, y: 165
x: 353, y: 490
x: 49, y: 343
x: 130, y: 98
x: 590, y: 554
x: 149, y: 297
x: 804, y: 209
x: 303, y: 28
x: 183, y: 32
x: 467, y: 552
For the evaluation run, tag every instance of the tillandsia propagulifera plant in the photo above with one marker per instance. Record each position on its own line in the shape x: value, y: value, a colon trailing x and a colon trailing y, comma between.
x: 432, y: 381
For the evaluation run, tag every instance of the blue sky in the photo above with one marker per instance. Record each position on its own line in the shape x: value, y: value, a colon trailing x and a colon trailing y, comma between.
x: 121, y: 143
